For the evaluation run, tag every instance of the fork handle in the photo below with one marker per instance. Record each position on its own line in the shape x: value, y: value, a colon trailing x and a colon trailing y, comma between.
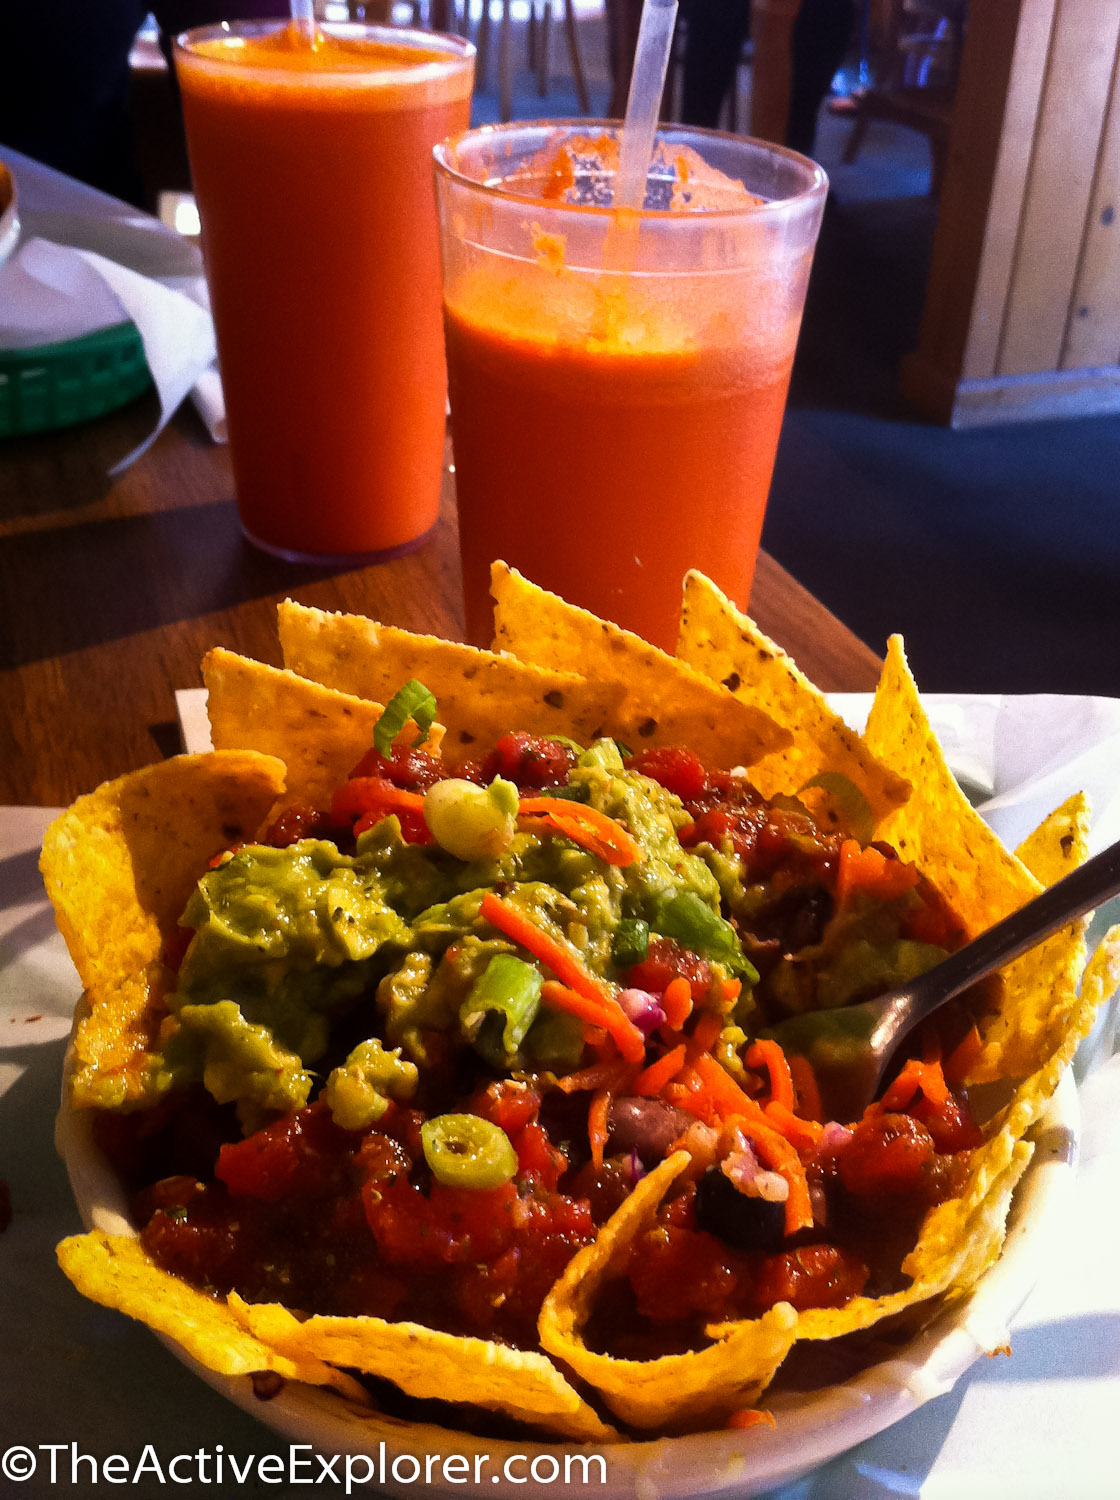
x: 1095, y: 881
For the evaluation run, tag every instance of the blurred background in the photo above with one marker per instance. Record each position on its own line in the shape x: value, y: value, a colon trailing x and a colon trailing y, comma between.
x: 950, y: 456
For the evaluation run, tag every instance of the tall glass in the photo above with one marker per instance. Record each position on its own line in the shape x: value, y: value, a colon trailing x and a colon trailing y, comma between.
x: 312, y: 170
x: 617, y: 378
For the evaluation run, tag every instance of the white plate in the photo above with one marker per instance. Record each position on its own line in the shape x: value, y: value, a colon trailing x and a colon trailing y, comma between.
x: 810, y: 1428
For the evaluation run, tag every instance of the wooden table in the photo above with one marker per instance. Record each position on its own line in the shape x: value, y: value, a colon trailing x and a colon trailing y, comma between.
x: 110, y: 593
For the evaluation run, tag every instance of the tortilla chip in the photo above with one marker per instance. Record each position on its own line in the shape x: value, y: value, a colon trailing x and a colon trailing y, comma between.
x: 678, y: 1391
x: 937, y: 828
x: 480, y: 695
x: 665, y: 702
x: 726, y: 646
x: 1040, y: 988
x: 117, y: 1272
x: 435, y: 1366
x: 319, y: 734
x: 118, y: 867
x: 1060, y: 843
x: 968, y: 1240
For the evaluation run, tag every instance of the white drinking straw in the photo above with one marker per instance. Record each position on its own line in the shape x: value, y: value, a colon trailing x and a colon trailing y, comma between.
x: 647, y: 82
x: 303, y: 15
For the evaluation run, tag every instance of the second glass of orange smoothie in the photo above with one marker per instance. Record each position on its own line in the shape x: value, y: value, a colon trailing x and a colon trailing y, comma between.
x: 618, y: 377
x: 311, y: 162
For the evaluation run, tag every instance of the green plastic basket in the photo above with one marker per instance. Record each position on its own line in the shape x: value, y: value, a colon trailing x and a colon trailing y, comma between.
x: 57, y: 385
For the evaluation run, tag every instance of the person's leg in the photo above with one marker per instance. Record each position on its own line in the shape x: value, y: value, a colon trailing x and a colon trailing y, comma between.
x: 820, y: 38
x: 716, y: 30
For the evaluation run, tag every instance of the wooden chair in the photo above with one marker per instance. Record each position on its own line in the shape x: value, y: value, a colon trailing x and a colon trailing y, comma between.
x: 538, y: 51
x: 917, y: 61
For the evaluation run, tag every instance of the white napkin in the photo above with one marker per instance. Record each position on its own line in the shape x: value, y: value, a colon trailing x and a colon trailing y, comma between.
x: 50, y: 293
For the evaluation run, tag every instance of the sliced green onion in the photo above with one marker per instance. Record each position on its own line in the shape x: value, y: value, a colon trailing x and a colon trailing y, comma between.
x: 413, y: 701
x: 501, y: 1007
x: 631, y: 942
x: 689, y: 919
x: 604, y: 753
x: 849, y: 806
x: 466, y: 1151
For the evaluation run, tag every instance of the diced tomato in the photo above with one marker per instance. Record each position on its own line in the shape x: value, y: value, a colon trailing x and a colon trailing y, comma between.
x: 411, y: 770
x: 506, y: 1103
x: 365, y: 800
x: 677, y: 1272
x: 678, y: 771
x: 723, y: 829
x: 298, y: 822
x: 538, y: 1158
x: 530, y: 760
x: 950, y: 1124
x: 813, y: 1276
x: 201, y: 1247
x: 888, y: 1153
x: 299, y: 1156
x: 664, y: 962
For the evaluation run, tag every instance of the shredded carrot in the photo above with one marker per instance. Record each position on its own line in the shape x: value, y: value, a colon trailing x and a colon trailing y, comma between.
x: 809, y: 1105
x: 585, y: 826
x: 727, y: 1097
x: 676, y: 1002
x: 605, y: 1013
x: 915, y: 1076
x: 751, y: 1417
x: 609, y: 1073
x: 803, y: 1135
x: 705, y: 1034
x: 775, y: 1152
x: 598, y: 1128
x: 964, y: 1057
x: 868, y: 870
x: 601, y: 1007
x: 769, y: 1055
x: 931, y: 1045
x: 650, y: 1082
x: 723, y: 993
x: 687, y: 1092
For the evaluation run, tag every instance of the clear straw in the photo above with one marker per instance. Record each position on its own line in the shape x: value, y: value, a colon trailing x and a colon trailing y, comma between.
x: 303, y: 18
x: 647, y: 82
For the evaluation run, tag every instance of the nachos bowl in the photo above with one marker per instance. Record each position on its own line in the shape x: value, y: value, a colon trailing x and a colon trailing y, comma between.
x: 732, y: 694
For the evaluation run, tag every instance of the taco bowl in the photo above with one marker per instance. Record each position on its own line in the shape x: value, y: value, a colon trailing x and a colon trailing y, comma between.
x: 553, y: 924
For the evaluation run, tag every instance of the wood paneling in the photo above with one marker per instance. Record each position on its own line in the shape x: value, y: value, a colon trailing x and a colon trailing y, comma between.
x: 1024, y: 289
x: 1093, y: 326
x: 1028, y: 50
x: 1063, y: 168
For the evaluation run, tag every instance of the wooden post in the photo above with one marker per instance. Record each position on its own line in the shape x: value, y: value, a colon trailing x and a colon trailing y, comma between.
x: 771, y: 68
x: 1022, y: 314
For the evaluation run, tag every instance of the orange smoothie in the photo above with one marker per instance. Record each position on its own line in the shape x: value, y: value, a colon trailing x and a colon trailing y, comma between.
x: 618, y: 374
x: 312, y: 169
x: 634, y: 452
